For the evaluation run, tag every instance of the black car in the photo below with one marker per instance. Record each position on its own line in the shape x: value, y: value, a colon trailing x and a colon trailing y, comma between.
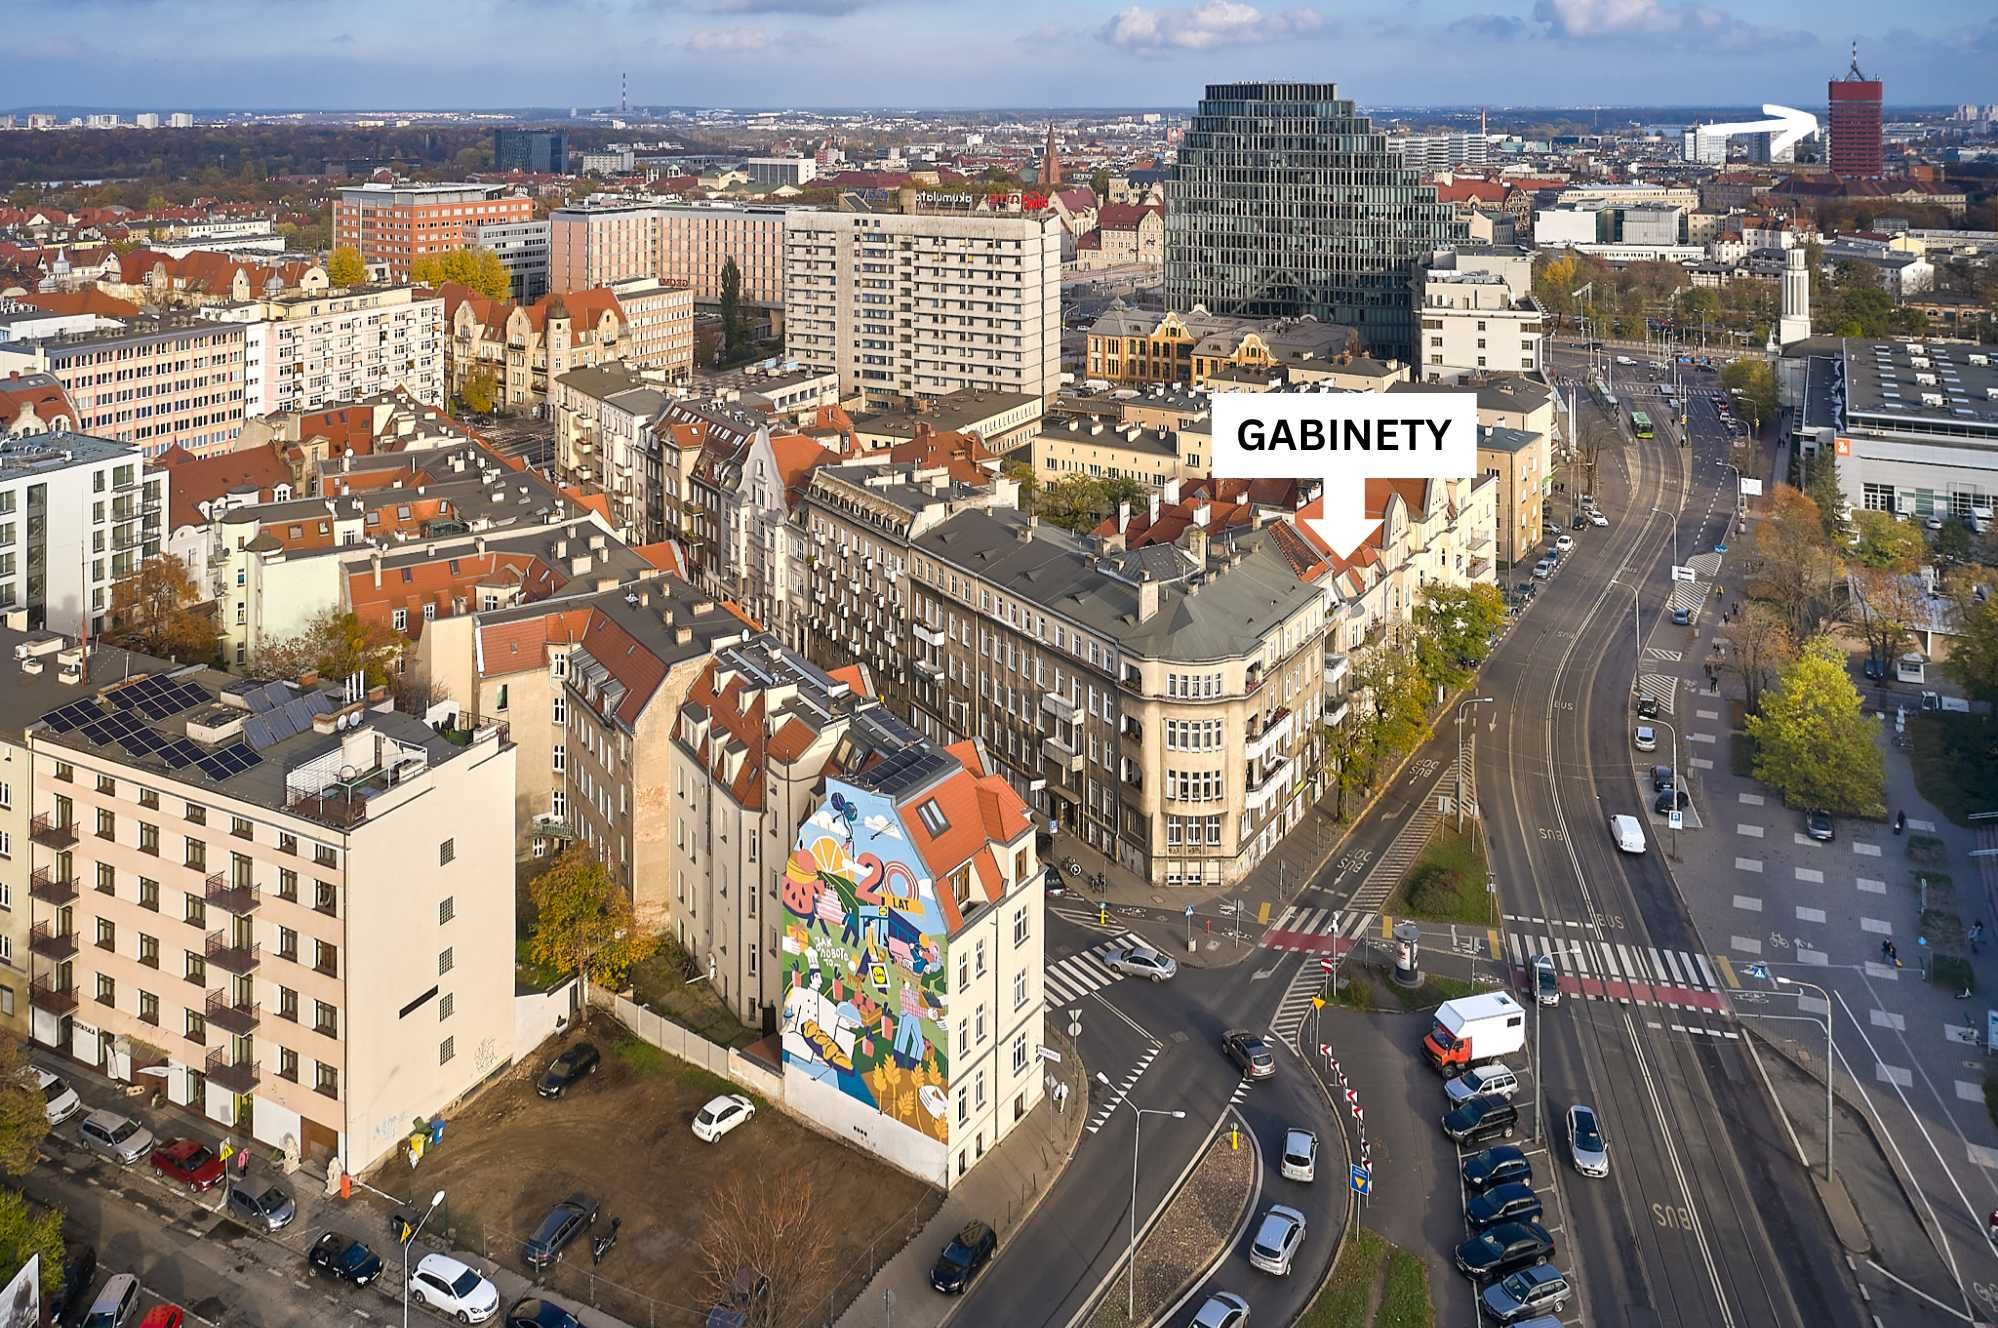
x: 1671, y: 800
x: 567, y: 1068
x: 72, y: 1299
x: 1579, y: 523
x: 1874, y: 669
x: 347, y: 1260
x: 1663, y: 779
x: 1647, y: 707
x: 557, y: 1229
x: 1500, y: 1165
x: 1251, y: 1054
x: 966, y: 1255
x: 1506, y: 1248
x: 1514, y: 1202
x: 1486, y: 1116
x: 537, y: 1313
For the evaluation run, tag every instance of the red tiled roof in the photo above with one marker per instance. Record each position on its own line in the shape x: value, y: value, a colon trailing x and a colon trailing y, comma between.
x: 665, y: 555
x: 37, y: 392
x: 89, y: 300
x: 1124, y: 216
x: 441, y: 582
x: 196, y: 480
x: 629, y: 662
x: 522, y: 643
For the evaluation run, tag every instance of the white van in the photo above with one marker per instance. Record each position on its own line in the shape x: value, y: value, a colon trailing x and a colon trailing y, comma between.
x: 1629, y: 835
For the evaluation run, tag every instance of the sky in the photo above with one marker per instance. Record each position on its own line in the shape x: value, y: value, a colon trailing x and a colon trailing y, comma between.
x: 437, y: 54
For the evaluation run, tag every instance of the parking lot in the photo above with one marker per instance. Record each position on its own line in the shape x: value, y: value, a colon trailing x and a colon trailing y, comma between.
x: 622, y: 1138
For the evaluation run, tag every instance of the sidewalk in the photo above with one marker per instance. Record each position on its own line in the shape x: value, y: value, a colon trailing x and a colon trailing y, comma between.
x: 318, y: 1213
x: 1002, y: 1191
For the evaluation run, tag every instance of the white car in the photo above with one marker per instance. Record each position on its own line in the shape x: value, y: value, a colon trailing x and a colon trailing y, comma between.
x: 57, y: 1095
x: 721, y: 1115
x: 1564, y: 543
x: 1277, y: 1239
x: 1300, y: 1155
x: 1224, y: 1309
x: 1597, y: 518
x: 1495, y: 1079
x: 1646, y: 738
x: 453, y: 1289
x: 1141, y: 961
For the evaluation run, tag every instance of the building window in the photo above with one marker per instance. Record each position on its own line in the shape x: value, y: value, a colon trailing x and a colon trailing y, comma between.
x: 324, y: 899
x: 560, y: 756
x: 107, y: 879
x: 287, y: 1004
x: 196, y: 855
x: 323, y: 856
x: 1019, y: 1053
x: 149, y: 838
x: 399, y: 619
x: 325, y: 1019
x: 195, y: 911
x: 447, y: 909
x: 107, y: 990
x: 149, y: 894
x: 446, y: 1004
x: 149, y: 950
x: 326, y: 958
x: 196, y: 1027
x: 325, y: 1079
x: 287, y: 1068
x: 446, y: 1050
x: 446, y: 851
x: 288, y: 884
x: 149, y: 1008
x: 288, y: 843
x: 1020, y: 925
x: 978, y: 1090
x: 287, y: 944
x: 561, y: 713
x: 445, y: 961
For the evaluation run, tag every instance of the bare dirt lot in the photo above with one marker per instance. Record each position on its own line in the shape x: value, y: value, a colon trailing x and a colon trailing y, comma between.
x: 622, y: 1137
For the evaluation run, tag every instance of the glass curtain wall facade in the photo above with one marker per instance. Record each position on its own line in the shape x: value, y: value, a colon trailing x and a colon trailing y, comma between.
x: 1285, y: 202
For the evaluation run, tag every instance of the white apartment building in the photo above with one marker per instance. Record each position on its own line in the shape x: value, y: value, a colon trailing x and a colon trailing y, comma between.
x: 77, y: 514
x: 915, y: 306
x: 299, y: 908
x: 307, y: 351
x: 1473, y: 323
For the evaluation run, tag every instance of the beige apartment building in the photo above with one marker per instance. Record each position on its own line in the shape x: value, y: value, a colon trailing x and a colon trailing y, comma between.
x: 306, y: 351
x: 1074, y: 446
x: 680, y: 243
x: 292, y: 904
x: 1133, y: 346
x: 912, y: 306
x: 158, y: 381
x: 1517, y: 461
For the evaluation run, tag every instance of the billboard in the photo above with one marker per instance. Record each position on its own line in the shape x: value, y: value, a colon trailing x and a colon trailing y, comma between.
x: 21, y: 1302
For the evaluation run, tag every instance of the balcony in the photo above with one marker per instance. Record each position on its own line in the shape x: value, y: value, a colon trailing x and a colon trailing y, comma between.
x: 51, y: 944
x: 52, y: 999
x: 1061, y: 754
x: 51, y: 833
x: 1060, y: 707
x: 45, y: 885
x: 224, y: 1014
x: 929, y: 669
x: 1274, y: 732
x: 1337, y: 666
x: 236, y: 1076
x: 238, y: 899
x: 237, y: 959
x: 1263, y: 791
x: 928, y: 635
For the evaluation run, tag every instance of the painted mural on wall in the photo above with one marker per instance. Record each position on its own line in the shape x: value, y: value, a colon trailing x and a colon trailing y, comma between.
x: 863, y: 957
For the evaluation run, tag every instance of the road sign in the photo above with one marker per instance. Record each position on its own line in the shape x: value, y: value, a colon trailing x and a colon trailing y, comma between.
x: 1327, y: 964
x: 1676, y: 819
x: 1680, y: 573
x: 1361, y: 1179
x: 1317, y: 1002
x: 1050, y: 1054
x: 1325, y: 1050
x: 1760, y: 972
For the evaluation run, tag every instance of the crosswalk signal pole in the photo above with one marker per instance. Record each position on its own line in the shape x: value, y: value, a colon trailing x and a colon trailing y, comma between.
x: 1336, y: 929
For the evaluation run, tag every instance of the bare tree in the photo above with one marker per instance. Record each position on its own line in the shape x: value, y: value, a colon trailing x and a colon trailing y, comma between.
x: 766, y: 1244
x: 1761, y: 646
x: 1887, y: 607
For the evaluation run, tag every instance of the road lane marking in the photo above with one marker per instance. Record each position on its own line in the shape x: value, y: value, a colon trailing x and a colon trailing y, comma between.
x: 1749, y: 799
x: 1748, y: 864
x: 1967, y: 1091
x: 1816, y: 958
x: 1866, y: 850
x: 1877, y: 926
x: 1807, y: 914
x: 1884, y: 972
x: 1811, y: 874
x: 1263, y: 913
x: 1748, y: 902
x: 1887, y: 1019
x: 1701, y: 763
x: 1745, y: 944
x: 1925, y: 827
x: 1492, y: 933
x: 1869, y: 886
x: 1897, y: 1075
x: 1751, y: 831
x: 1726, y: 971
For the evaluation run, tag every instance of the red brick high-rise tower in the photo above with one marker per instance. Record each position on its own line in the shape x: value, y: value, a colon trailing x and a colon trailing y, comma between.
x: 1050, y: 162
x: 1854, y: 124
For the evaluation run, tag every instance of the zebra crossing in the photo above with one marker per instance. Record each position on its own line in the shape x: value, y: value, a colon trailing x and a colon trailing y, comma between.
x: 1627, y: 974
x: 1115, y: 1097
x: 1317, y: 930
x: 1078, y: 975
x: 1295, y: 1007
x: 1389, y: 869
x: 1664, y: 654
x: 1660, y: 687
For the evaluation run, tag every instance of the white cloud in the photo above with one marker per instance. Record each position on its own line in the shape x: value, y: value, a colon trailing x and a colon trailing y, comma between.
x: 728, y: 41
x: 1588, y: 19
x: 882, y: 826
x: 1204, y: 26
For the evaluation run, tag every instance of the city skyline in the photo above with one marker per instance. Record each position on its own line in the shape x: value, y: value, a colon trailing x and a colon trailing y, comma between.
x: 811, y: 53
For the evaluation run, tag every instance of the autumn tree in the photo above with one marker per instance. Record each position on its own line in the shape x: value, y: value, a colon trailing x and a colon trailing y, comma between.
x: 1813, y: 743
x: 25, y: 1232
x: 334, y: 644
x: 1887, y: 607
x: 346, y: 268
x: 1388, y: 680
x: 1756, y: 382
x: 1885, y: 544
x: 1796, y: 567
x: 1760, y: 647
x: 1346, y: 756
x: 480, y: 388
x: 1972, y: 662
x: 1454, y: 625
x: 583, y: 921
x: 153, y: 611
x: 479, y: 269
x: 24, y: 1116
x: 1082, y: 502
x: 773, y: 1233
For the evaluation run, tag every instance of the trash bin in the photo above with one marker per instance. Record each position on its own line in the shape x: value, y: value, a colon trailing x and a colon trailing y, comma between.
x: 436, y: 1130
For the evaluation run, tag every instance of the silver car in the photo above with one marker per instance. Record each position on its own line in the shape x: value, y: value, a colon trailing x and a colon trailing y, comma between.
x: 1586, y: 1143
x: 1141, y: 961
x: 1277, y: 1239
x: 1224, y: 1309
x: 1541, y: 1288
x: 118, y: 1138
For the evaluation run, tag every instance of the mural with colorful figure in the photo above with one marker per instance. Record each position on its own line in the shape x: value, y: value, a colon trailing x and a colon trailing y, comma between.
x: 863, y: 955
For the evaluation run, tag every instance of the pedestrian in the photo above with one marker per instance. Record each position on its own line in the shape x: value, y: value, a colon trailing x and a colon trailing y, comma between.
x: 242, y: 1163
x: 1993, y: 1224
x: 1900, y: 822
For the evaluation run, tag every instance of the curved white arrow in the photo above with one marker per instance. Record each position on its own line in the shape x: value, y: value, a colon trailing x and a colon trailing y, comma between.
x: 1785, y: 126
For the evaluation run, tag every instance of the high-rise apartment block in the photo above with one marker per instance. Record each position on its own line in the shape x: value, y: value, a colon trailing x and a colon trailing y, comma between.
x: 397, y: 224
x: 156, y: 380
x: 1335, y: 230
x: 77, y: 515
x: 1854, y: 122
x: 911, y: 307
x: 302, y: 352
x: 536, y: 151
x: 685, y: 243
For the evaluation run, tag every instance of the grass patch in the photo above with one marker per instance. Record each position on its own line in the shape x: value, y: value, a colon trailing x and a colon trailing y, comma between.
x: 1436, y: 989
x: 673, y: 985
x: 1354, y: 994
x: 641, y: 1057
x: 1405, y: 1299
x: 1345, y: 1300
x: 1955, y: 760
x: 1927, y: 851
x: 1447, y: 883
x: 530, y: 974
x: 1741, y: 755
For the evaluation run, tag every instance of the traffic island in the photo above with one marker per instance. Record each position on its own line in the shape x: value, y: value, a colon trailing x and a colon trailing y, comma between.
x: 1375, y: 1284
x: 1195, y: 1230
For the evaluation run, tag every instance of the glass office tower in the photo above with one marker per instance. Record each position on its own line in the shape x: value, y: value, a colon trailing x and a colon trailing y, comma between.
x: 1285, y: 202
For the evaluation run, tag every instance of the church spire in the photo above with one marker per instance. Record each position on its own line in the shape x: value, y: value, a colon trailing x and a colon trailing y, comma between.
x: 1050, y: 162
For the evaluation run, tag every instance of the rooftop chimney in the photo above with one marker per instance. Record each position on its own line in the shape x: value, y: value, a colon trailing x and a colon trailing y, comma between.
x: 1148, y: 598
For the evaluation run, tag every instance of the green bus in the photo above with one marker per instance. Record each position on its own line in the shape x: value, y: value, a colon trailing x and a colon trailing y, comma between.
x: 1640, y: 424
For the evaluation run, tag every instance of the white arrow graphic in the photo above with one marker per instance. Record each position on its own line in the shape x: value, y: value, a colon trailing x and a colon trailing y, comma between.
x: 1339, y: 519
x: 1785, y: 126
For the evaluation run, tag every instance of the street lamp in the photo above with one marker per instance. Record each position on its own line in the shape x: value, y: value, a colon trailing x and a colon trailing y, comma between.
x: 1533, y: 986
x: 435, y: 1200
x: 1678, y: 782
x: 1637, y: 627
x: 1673, y: 517
x: 1830, y: 1063
x: 1131, y: 1257
x: 1469, y: 701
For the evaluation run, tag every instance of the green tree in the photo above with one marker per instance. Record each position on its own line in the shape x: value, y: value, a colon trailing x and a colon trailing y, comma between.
x: 1821, y: 485
x: 1884, y: 543
x: 731, y: 305
x: 479, y: 390
x: 1757, y: 384
x: 1813, y: 744
x: 479, y: 269
x: 1453, y: 627
x: 1082, y: 502
x: 1973, y: 655
x: 583, y: 921
x: 24, y: 1116
x: 153, y: 611
x: 1950, y: 546
x: 1346, y: 755
x: 26, y: 1231
x: 346, y: 268
x: 1099, y: 184
x: 1389, y: 682
x: 1761, y: 647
